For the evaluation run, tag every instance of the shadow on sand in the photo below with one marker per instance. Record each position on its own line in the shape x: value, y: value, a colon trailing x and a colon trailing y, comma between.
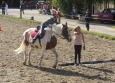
x: 72, y: 73
x: 89, y: 62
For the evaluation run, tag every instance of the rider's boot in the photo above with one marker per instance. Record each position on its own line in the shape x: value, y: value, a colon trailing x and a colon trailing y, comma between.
x: 34, y: 39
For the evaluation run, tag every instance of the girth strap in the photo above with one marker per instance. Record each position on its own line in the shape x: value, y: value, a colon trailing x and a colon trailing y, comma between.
x: 39, y: 41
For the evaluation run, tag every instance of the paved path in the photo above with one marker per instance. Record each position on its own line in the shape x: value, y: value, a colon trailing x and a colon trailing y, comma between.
x: 101, y: 28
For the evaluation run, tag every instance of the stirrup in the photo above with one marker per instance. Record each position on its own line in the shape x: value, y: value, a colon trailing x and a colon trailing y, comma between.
x: 33, y: 41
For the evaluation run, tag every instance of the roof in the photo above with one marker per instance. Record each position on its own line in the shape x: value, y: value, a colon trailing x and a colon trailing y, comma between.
x: 41, y: 1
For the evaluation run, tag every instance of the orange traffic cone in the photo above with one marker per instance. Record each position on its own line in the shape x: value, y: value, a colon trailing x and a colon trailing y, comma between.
x: 0, y: 28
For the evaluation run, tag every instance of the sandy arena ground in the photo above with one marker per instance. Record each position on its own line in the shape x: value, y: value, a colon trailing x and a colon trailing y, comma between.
x: 13, y: 71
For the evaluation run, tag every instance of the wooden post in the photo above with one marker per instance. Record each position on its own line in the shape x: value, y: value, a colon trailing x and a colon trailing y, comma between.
x: 21, y: 1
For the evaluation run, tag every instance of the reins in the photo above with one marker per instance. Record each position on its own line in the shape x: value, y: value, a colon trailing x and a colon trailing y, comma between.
x: 59, y: 35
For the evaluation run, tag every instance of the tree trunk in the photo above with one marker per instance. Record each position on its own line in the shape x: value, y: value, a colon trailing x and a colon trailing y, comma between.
x: 90, y: 6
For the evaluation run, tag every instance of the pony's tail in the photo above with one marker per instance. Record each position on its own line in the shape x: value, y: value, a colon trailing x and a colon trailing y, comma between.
x: 23, y: 45
x: 21, y: 48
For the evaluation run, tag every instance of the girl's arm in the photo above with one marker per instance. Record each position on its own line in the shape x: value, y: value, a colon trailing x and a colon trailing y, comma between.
x: 83, y: 41
x: 75, y: 33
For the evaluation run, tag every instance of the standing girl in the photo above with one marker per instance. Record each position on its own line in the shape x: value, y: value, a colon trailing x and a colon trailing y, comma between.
x: 79, y: 37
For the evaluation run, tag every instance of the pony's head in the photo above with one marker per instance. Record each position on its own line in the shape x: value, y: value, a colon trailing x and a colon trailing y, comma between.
x: 62, y: 29
x: 66, y: 32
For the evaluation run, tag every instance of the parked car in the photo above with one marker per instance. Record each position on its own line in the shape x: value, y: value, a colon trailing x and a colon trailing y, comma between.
x: 107, y: 15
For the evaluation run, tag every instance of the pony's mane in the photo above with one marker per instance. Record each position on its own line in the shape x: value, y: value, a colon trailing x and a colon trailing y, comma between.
x: 59, y: 25
x: 58, y: 28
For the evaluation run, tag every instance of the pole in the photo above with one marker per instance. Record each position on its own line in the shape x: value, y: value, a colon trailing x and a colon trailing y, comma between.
x: 20, y: 8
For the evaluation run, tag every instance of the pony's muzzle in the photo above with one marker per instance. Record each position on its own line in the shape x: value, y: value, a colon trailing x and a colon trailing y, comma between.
x: 69, y: 39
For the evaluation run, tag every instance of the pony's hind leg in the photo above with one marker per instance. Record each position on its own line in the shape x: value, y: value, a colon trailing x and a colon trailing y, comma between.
x: 25, y: 59
x: 29, y: 55
x: 56, y: 60
x: 26, y: 42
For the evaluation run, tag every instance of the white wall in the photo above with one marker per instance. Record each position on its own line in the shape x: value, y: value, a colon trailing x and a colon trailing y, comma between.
x: 100, y: 7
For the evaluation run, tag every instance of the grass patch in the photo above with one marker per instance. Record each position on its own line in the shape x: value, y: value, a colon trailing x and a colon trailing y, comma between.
x: 106, y: 36
x: 62, y: 14
x: 108, y: 77
x: 22, y: 19
x: 112, y: 27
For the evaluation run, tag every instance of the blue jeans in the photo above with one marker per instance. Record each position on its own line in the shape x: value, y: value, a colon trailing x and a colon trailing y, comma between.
x: 41, y: 29
x: 39, y: 33
x: 3, y: 10
x: 87, y: 20
x: 73, y: 13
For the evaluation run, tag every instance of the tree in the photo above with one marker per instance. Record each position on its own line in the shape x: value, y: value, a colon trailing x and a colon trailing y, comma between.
x: 66, y: 5
x: 81, y: 5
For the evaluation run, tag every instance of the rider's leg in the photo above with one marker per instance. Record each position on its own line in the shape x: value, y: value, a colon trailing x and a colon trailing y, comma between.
x: 34, y: 39
x: 38, y: 34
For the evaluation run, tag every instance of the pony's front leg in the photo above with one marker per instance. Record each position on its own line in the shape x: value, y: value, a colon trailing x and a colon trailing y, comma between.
x: 41, y: 56
x: 30, y: 50
x: 56, y: 60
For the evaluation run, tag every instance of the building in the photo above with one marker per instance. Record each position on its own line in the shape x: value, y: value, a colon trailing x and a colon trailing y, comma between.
x: 16, y: 3
x: 12, y: 3
x: 99, y: 7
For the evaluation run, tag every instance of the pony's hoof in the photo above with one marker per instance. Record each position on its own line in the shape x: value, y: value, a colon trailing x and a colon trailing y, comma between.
x: 54, y: 66
x: 24, y: 63
x: 39, y: 67
x: 30, y: 64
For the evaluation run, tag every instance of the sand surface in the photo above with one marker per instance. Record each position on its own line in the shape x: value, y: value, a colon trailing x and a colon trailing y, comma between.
x: 12, y: 69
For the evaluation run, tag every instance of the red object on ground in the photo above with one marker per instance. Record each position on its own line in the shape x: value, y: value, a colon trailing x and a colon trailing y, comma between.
x: 0, y: 28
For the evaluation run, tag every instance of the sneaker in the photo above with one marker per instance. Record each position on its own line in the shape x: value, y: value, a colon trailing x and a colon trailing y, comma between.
x: 75, y: 64
x: 33, y: 40
x: 80, y: 64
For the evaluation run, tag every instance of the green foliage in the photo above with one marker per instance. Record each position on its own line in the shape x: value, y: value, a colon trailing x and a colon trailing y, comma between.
x: 112, y: 26
x: 107, y: 36
x: 81, y: 5
x: 66, y: 5
x: 113, y: 1
x: 22, y: 19
x: 108, y: 77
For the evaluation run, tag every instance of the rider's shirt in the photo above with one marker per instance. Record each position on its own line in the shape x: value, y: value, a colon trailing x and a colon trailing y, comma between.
x: 50, y: 21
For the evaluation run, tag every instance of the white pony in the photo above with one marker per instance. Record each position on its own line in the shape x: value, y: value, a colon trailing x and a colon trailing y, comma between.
x: 48, y: 42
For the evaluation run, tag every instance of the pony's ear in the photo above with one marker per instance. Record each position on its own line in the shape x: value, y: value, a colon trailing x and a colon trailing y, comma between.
x: 66, y: 23
x: 63, y: 24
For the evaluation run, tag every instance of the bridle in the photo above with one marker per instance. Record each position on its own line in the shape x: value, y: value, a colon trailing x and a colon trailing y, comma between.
x: 59, y: 35
x: 66, y: 34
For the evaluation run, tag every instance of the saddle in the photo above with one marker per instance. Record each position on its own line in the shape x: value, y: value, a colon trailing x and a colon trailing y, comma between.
x: 37, y: 31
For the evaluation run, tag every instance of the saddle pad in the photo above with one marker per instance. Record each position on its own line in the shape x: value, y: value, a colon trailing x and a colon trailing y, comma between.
x: 35, y: 32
